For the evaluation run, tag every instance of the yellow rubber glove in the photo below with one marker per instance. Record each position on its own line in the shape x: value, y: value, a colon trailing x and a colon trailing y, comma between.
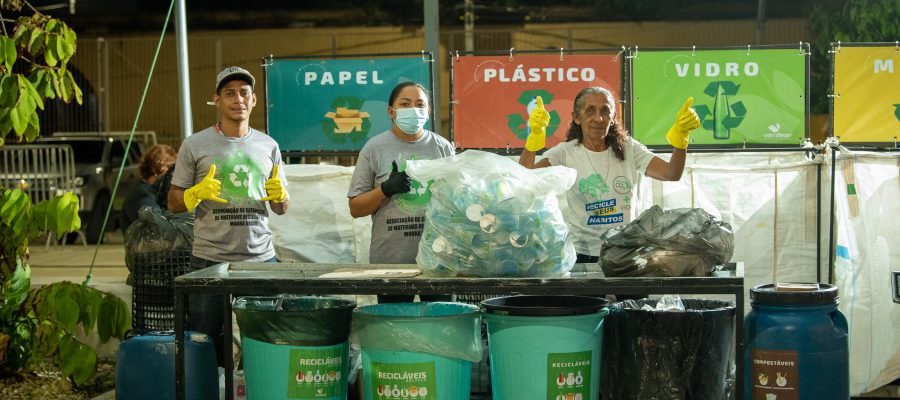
x: 208, y: 189
x: 686, y: 121
x: 538, y: 122
x: 274, y: 188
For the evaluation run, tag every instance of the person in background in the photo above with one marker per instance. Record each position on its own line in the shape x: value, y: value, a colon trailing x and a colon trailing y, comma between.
x: 607, y: 161
x: 154, y: 164
x: 381, y: 188
x: 227, y: 174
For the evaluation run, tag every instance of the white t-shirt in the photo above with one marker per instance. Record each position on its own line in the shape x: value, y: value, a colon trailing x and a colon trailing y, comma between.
x: 601, y: 198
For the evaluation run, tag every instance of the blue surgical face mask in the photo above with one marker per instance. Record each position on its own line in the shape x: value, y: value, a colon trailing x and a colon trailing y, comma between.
x: 411, y: 120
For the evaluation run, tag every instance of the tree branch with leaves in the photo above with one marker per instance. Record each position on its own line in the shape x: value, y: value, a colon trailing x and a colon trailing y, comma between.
x: 40, y: 47
x: 43, y: 322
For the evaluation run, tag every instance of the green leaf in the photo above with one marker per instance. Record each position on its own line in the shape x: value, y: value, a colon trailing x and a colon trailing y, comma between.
x: 9, y: 94
x: 65, y: 308
x: 8, y: 54
x: 114, y: 318
x: 26, y: 87
x: 15, y: 290
x: 50, y: 53
x: 90, y: 307
x: 15, y: 211
x: 36, y: 41
x: 51, y: 23
x: 72, y: 88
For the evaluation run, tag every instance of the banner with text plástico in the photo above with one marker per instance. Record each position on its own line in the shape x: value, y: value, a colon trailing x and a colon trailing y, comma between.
x: 867, y: 94
x: 335, y: 105
x: 493, y: 95
x: 754, y: 97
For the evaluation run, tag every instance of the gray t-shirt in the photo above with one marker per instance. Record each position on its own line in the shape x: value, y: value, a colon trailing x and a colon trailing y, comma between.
x: 239, y: 230
x: 398, y: 222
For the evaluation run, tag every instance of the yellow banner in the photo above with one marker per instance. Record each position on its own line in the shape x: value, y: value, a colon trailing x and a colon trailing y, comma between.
x: 867, y: 89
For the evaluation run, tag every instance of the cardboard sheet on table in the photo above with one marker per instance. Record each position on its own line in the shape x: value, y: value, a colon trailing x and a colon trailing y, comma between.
x: 373, y: 273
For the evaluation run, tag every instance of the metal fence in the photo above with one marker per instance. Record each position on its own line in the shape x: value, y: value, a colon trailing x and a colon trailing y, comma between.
x: 42, y: 171
x: 116, y: 69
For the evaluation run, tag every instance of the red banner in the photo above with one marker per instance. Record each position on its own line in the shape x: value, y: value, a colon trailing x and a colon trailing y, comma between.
x: 493, y: 94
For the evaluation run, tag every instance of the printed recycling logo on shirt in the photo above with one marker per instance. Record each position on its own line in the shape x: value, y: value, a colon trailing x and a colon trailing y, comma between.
x: 242, y: 179
x: 419, y: 194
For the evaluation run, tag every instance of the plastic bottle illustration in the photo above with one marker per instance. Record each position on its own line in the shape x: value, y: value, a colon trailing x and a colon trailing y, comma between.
x: 317, y: 377
x: 395, y: 392
x: 579, y: 379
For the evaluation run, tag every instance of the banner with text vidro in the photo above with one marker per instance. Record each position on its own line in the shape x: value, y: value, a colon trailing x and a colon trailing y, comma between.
x: 756, y: 96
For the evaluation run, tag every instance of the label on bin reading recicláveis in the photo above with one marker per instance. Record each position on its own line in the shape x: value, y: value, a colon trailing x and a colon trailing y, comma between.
x: 315, y: 373
x: 403, y: 381
x: 569, y: 376
x: 774, y: 375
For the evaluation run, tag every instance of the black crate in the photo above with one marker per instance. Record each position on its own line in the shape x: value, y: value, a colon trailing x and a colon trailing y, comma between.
x: 152, y: 295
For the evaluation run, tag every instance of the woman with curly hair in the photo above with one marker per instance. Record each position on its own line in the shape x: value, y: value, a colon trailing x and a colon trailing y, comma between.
x: 607, y: 161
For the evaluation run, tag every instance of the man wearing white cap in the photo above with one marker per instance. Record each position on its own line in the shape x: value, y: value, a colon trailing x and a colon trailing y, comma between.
x: 226, y: 174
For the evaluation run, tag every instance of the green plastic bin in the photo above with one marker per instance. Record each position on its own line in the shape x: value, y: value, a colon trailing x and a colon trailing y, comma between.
x: 295, y: 347
x: 545, y: 347
x: 421, y: 351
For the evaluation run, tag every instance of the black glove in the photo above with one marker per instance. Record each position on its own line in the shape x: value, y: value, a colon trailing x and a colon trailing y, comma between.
x: 397, y: 182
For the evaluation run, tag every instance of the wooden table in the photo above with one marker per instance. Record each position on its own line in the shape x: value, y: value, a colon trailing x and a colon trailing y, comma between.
x: 275, y: 278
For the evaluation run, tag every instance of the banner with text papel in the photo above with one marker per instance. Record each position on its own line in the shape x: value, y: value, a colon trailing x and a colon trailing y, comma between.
x: 493, y: 95
x: 335, y: 105
x: 867, y: 94
x: 755, y: 96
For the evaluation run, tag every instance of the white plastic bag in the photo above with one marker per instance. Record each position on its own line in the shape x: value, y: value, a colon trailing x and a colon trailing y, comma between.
x: 490, y: 216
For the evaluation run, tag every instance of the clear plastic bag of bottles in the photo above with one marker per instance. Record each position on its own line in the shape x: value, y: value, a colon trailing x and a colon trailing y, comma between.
x: 491, y: 217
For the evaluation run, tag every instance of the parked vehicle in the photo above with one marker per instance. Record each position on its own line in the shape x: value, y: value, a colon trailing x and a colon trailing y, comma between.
x: 97, y: 157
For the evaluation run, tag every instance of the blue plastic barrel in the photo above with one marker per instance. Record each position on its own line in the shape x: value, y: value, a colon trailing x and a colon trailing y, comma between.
x: 145, y: 367
x: 418, y: 350
x: 797, y: 345
x: 545, y: 347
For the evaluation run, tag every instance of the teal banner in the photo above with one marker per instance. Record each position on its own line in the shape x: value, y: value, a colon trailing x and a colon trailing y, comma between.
x: 755, y: 96
x: 334, y: 105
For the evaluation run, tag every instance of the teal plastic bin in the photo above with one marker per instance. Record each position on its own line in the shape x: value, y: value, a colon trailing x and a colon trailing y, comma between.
x: 545, y: 347
x: 421, y: 351
x: 295, y: 347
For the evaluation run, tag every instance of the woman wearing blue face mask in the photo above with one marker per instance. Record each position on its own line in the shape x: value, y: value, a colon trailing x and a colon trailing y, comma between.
x: 381, y: 188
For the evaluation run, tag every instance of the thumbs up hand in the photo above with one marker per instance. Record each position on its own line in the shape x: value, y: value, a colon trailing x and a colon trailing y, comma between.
x: 275, y: 188
x: 685, y: 121
x: 397, y: 182
x: 208, y: 189
x: 538, y: 121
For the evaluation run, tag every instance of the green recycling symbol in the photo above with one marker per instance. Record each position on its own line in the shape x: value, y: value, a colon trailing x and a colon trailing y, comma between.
x: 241, y: 178
x: 347, y: 121
x: 519, y: 125
x: 725, y: 115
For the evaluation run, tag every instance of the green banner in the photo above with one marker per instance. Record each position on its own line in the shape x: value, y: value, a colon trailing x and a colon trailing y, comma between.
x: 334, y: 105
x: 755, y: 96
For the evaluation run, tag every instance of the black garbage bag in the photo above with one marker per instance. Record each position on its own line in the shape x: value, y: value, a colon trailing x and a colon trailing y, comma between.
x: 668, y: 355
x: 157, y: 231
x: 679, y: 242
x: 294, y: 320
